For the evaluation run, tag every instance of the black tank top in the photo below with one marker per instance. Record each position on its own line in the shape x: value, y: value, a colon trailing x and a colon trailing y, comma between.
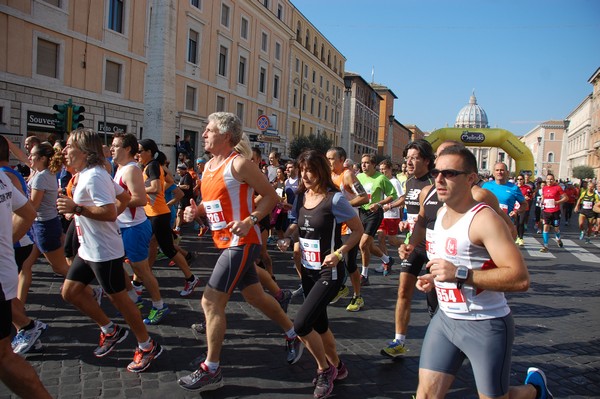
x: 432, y: 205
x: 413, y: 189
x: 319, y: 223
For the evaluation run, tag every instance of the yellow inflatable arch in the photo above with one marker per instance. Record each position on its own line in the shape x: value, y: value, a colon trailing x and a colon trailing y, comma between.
x: 476, y: 137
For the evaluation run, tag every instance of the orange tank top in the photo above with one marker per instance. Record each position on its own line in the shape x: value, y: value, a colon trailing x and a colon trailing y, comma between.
x: 156, y: 201
x: 226, y: 199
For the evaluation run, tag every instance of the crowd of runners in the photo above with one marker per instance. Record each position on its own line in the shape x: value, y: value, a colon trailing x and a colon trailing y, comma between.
x: 89, y: 209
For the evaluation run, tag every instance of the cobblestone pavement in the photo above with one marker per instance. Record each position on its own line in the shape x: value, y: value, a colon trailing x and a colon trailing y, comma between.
x: 557, y: 329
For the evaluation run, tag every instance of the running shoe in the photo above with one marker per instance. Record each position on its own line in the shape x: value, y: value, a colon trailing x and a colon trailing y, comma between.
x: 98, y: 292
x: 140, y: 303
x: 189, y: 287
x: 544, y: 249
x: 364, y: 281
x: 156, y: 315
x: 387, y: 267
x: 294, y: 348
x: 325, y: 380
x: 161, y: 256
x: 559, y: 242
x: 588, y: 240
x: 26, y: 339
x: 356, y: 303
x: 172, y: 263
x: 202, y: 380
x: 581, y: 235
x: 286, y: 298
x: 394, y: 349
x: 520, y: 242
x: 537, y: 378
x: 298, y: 291
x: 109, y: 341
x: 342, y: 293
x: 199, y: 329
x: 142, y: 359
x: 342, y: 372
x: 379, y: 268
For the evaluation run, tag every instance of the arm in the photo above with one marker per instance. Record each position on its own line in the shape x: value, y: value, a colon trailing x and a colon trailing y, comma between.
x: 487, y: 197
x: 177, y: 196
x: 123, y: 200
x: 168, y: 177
x: 362, y: 197
x: 134, y: 180
x: 104, y: 213
x: 18, y: 153
x: 563, y: 198
x: 22, y: 220
x: 36, y: 198
x: 418, y: 234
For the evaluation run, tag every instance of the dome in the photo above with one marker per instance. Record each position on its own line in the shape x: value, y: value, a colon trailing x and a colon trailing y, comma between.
x: 472, y: 115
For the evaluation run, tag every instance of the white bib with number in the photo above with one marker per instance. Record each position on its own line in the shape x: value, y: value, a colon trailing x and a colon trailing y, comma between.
x: 450, y: 298
x: 549, y: 203
x: 215, y: 215
x: 587, y: 204
x: 311, y: 253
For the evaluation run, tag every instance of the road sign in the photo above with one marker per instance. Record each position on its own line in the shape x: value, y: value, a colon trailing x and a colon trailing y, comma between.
x: 263, y: 123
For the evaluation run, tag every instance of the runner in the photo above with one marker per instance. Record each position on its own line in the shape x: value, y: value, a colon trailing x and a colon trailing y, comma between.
x: 344, y: 178
x: 507, y: 193
x: 101, y: 250
x: 392, y: 216
x: 320, y: 209
x: 228, y: 185
x: 136, y: 229
x: 522, y: 216
x: 472, y: 270
x: 585, y: 207
x: 552, y: 197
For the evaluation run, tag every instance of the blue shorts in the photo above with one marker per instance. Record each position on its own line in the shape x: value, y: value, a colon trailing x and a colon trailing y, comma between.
x: 136, y: 240
x: 47, y: 234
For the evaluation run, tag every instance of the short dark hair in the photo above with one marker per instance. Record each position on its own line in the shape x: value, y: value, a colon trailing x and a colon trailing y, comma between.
x: 4, y: 152
x: 424, y: 149
x: 128, y: 140
x: 341, y: 153
x: 468, y: 159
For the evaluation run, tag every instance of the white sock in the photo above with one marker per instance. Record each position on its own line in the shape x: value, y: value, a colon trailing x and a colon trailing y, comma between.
x: 145, y: 346
x: 158, y: 304
x: 107, y: 329
x: 400, y: 337
x: 385, y: 259
x: 291, y: 334
x: 211, y: 366
x: 365, y: 271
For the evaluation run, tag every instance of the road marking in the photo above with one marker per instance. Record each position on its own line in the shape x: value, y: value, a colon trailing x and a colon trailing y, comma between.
x: 535, y: 246
x: 579, y: 252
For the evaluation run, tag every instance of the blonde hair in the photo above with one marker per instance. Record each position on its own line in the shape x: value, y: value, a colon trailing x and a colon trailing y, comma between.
x: 243, y: 147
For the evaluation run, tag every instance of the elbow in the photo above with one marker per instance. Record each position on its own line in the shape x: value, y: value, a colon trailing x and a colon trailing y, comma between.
x: 523, y: 284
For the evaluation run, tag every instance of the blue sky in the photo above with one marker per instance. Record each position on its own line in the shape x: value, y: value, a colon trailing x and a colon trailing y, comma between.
x: 528, y: 60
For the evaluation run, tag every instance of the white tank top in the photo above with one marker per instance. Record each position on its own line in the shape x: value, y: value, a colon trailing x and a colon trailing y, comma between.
x: 453, y: 245
x: 131, y: 216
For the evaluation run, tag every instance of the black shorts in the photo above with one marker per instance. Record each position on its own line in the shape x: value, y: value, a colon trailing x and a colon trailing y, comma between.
x: 415, y: 262
x: 109, y: 274
x: 5, y: 319
x: 551, y: 218
x: 371, y: 220
x: 161, y: 228
x: 71, y: 241
x: 265, y: 223
x: 21, y: 254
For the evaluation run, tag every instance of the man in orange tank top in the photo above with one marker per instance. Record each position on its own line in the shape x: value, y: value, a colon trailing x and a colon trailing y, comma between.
x: 228, y: 186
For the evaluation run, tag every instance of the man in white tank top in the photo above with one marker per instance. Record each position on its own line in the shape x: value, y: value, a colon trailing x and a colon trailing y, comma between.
x: 476, y: 263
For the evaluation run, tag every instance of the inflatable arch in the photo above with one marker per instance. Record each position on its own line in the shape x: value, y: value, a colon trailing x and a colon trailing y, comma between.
x: 479, y: 137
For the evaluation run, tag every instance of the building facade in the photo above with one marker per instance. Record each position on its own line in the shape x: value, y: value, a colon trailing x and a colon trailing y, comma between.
x: 578, y: 138
x: 546, y: 144
x: 594, y: 143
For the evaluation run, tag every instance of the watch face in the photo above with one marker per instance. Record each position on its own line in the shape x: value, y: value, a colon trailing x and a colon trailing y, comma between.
x: 462, y: 273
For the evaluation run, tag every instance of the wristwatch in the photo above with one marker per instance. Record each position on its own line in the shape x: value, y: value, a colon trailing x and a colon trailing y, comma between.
x: 253, y: 219
x: 78, y: 210
x: 462, y: 273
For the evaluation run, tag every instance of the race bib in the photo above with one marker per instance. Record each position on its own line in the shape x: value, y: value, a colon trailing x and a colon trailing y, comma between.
x: 504, y: 207
x: 451, y: 299
x: 79, y: 230
x: 549, y: 203
x: 215, y: 215
x: 430, y: 243
x: 411, y: 218
x: 311, y: 253
x: 587, y: 204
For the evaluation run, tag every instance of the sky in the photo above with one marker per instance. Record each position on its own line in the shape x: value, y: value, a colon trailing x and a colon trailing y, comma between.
x: 528, y: 61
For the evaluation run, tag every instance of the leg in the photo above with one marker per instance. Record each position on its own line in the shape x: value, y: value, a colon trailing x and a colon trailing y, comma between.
x: 75, y: 293
x: 406, y: 288
x: 433, y: 384
x: 18, y: 375
x: 143, y: 271
x: 213, y: 304
x: 365, y: 249
x: 58, y: 261
x: 256, y: 296
x: 131, y: 314
x: 25, y: 276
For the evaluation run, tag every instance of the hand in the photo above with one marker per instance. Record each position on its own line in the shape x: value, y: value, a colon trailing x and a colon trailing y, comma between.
x: 331, y: 260
x: 284, y: 243
x: 442, y: 270
x: 190, y: 212
x: 403, y: 226
x: 239, y: 228
x: 425, y: 283
x: 405, y: 250
x: 65, y: 204
x: 374, y: 207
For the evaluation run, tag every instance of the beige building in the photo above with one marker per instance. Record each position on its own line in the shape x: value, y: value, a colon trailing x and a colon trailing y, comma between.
x: 594, y: 143
x: 578, y: 137
x: 159, y: 68
x: 546, y: 144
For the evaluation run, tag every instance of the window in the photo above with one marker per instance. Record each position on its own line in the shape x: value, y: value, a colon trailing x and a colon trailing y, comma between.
x: 196, y: 3
x: 242, y: 71
x: 264, y: 43
x: 321, y: 81
x: 193, y: 47
x: 312, y: 106
x: 223, y: 61
x: 112, y: 78
x: 326, y: 111
x: 279, y: 11
x: 265, y: 3
x: 314, y: 76
x: 262, y: 80
x: 47, y: 58
x: 297, y: 65
x: 190, y: 98
x: 225, y: 15
x: 295, y: 100
x: 278, y: 51
x: 305, y: 71
x: 276, y: 86
x: 220, y: 103
x: 551, y: 135
x: 319, y: 110
x: 303, y: 102
x: 55, y: 3
x: 244, y: 28
x: 239, y: 111
x: 115, y: 15
x: 550, y: 157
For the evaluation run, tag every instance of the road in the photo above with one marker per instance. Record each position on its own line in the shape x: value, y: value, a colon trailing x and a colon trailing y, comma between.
x: 557, y: 329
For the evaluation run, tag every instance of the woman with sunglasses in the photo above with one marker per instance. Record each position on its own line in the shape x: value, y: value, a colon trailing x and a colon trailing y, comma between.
x: 522, y: 217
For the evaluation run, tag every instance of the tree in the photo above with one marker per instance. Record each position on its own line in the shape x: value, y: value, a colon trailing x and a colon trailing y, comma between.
x: 319, y: 143
x: 583, y: 172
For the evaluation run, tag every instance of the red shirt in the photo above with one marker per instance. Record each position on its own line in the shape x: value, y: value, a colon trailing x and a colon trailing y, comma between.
x: 550, y: 197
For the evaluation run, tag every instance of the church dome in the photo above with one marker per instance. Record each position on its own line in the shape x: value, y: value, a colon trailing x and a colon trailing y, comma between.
x: 472, y: 115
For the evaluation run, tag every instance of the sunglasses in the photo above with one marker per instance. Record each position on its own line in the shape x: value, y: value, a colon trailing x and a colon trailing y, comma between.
x: 447, y: 173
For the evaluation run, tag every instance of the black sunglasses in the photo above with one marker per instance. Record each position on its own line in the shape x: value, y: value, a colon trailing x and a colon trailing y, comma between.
x: 447, y: 173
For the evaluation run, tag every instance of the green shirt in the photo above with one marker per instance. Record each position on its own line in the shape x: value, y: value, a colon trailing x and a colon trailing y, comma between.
x: 377, y: 187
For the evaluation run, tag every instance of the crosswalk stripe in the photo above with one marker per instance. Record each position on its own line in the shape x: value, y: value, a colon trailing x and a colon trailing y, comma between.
x: 535, y: 246
x: 579, y: 252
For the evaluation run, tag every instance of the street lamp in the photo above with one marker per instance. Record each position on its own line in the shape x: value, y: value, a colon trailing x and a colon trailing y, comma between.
x: 539, y: 156
x: 345, y: 142
x: 390, y: 138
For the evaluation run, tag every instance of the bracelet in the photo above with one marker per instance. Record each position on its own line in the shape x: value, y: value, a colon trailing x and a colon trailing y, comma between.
x: 339, y: 255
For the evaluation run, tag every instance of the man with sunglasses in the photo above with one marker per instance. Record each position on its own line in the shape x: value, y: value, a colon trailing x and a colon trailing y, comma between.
x: 475, y: 262
x: 507, y: 193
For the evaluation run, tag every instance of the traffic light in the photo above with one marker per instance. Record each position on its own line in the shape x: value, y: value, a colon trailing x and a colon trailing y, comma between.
x: 61, y: 116
x: 77, y: 116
